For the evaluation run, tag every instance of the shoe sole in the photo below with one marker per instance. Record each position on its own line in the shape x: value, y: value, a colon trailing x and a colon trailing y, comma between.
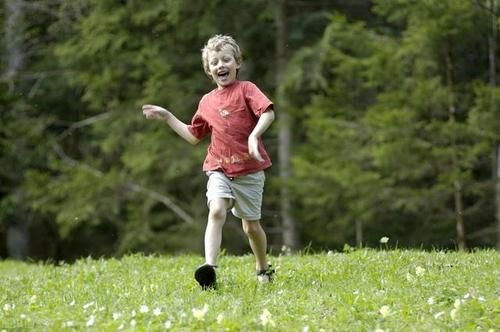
x: 205, y: 275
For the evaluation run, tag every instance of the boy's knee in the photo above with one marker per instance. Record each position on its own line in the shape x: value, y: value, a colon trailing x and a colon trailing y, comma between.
x: 217, y: 214
x: 251, y: 227
x: 218, y: 210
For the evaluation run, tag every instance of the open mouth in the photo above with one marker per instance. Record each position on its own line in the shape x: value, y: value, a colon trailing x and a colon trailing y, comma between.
x: 223, y: 74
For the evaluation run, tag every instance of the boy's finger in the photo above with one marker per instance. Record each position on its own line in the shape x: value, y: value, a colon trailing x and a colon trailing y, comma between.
x: 257, y: 156
x: 151, y: 108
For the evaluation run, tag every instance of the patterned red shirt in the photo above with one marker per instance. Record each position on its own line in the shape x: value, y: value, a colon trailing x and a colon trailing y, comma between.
x: 229, y: 115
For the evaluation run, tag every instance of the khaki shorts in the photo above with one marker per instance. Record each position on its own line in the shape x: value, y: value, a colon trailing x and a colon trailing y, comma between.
x: 245, y: 191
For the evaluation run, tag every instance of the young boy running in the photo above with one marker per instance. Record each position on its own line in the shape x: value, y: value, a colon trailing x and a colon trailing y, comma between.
x: 235, y: 115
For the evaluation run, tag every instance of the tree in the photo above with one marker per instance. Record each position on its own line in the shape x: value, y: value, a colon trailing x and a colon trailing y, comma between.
x: 331, y: 72
x: 119, y: 177
x: 389, y: 107
x: 289, y: 228
x: 492, y: 9
x: 17, y: 231
x: 27, y: 111
x: 381, y: 99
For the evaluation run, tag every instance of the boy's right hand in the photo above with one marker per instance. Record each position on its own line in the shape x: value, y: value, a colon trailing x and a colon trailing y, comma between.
x: 155, y: 112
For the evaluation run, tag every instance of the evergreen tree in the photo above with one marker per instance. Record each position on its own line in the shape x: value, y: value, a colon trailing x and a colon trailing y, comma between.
x: 387, y: 130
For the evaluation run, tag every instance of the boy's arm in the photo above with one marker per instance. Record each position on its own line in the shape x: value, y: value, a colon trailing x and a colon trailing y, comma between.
x: 264, y: 122
x: 159, y: 113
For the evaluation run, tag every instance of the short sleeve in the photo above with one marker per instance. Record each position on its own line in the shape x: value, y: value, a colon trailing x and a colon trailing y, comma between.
x: 256, y: 99
x: 199, y: 127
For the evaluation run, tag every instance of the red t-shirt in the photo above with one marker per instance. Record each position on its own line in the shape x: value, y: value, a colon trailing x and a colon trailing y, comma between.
x: 229, y: 115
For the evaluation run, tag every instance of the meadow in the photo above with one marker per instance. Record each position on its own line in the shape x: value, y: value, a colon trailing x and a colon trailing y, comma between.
x: 357, y: 290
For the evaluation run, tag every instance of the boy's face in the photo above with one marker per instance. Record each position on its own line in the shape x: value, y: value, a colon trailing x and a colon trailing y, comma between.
x: 222, y: 66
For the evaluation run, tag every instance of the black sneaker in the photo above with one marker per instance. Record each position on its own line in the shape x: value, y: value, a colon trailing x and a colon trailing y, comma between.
x: 265, y: 276
x: 205, y: 275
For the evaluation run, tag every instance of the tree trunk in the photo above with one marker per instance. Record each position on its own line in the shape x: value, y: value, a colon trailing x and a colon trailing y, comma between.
x: 459, y: 216
x: 18, y: 230
x: 17, y: 240
x: 13, y: 40
x: 497, y: 192
x: 289, y: 229
x: 457, y: 184
x: 492, y: 48
x: 359, y: 233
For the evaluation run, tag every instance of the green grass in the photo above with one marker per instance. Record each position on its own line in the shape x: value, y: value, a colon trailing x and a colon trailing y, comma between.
x: 363, y: 290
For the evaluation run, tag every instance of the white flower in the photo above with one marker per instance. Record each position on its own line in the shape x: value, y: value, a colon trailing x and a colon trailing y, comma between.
x: 33, y: 299
x: 385, y: 311
x: 220, y: 318
x: 168, y: 325
x: 22, y: 316
x: 143, y: 309
x: 266, y: 318
x: 419, y: 271
x: 305, y: 328
x: 7, y: 307
x: 384, y: 239
x: 85, y: 306
x: 157, y: 312
x: 116, y: 315
x: 199, y: 314
x: 133, y: 313
x: 121, y: 327
x: 68, y: 324
x: 379, y: 330
x: 453, y: 313
x: 91, y: 321
x: 439, y: 315
x: 133, y: 323
x: 430, y: 301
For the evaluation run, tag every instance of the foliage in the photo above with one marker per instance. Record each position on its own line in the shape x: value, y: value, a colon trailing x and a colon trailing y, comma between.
x: 391, y: 103
x: 387, y: 126
x: 109, y: 148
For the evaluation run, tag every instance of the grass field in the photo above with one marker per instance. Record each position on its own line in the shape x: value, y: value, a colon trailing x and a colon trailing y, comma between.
x: 361, y: 290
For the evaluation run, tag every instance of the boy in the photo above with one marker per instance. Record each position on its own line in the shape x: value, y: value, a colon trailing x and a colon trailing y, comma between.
x: 235, y: 114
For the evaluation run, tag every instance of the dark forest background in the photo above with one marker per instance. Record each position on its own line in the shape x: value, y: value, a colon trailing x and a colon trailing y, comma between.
x: 388, y: 123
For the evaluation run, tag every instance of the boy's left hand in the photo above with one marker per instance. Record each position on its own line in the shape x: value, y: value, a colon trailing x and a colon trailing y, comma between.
x: 253, y: 148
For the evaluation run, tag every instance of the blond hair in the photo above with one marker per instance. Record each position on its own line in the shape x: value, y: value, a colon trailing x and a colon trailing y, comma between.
x: 216, y: 43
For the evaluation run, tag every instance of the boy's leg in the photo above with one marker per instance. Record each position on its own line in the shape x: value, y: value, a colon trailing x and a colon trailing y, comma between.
x: 213, y: 233
x: 258, y: 242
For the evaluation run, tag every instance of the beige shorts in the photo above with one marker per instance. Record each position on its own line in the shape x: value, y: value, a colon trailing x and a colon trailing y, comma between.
x: 245, y: 191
